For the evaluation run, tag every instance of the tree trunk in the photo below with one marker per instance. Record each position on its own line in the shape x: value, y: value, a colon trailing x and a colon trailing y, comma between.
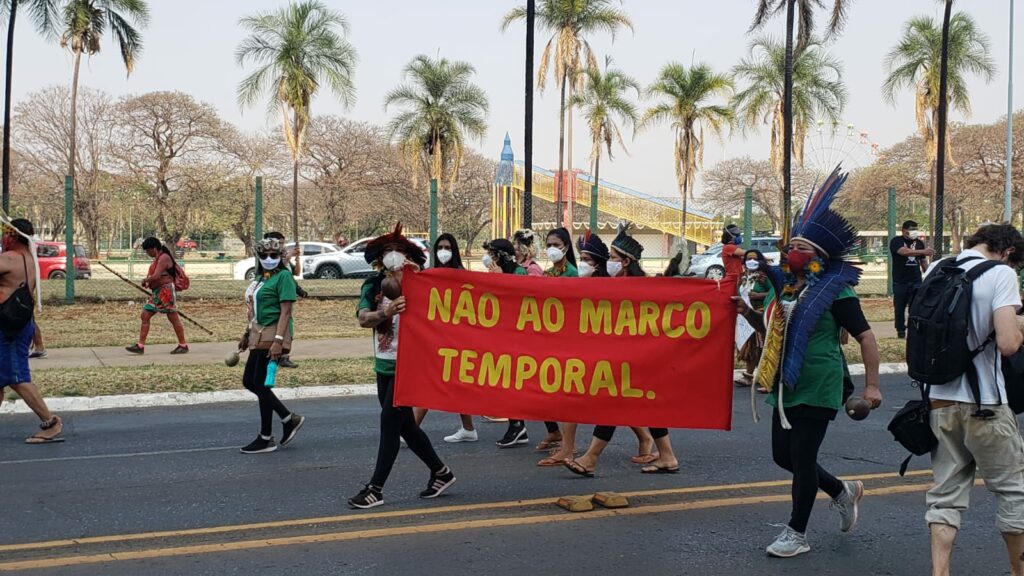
x: 787, y: 121
x: 593, y: 197
x: 931, y: 199
x: 940, y: 149
x: 295, y: 182
x: 561, y: 154
x: 6, y: 176
x: 72, y: 148
x: 684, y: 246
x: 567, y: 209
x: 531, y: 12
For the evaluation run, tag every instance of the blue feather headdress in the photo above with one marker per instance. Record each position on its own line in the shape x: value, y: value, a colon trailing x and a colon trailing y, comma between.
x: 834, y: 237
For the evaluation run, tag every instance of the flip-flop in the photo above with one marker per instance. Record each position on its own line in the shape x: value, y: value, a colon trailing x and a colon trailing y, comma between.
x: 655, y: 469
x: 577, y: 468
x: 741, y: 383
x: 551, y: 462
x: 495, y: 419
x: 644, y: 458
x: 37, y: 439
x: 547, y: 445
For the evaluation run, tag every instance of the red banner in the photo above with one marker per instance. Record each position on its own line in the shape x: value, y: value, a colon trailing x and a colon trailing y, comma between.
x: 616, y: 351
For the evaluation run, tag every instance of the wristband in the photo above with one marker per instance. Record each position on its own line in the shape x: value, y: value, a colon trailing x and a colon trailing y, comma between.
x: 278, y: 337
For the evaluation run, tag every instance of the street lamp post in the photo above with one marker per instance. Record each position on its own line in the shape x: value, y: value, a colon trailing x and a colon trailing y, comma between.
x: 1008, y: 184
x: 531, y: 14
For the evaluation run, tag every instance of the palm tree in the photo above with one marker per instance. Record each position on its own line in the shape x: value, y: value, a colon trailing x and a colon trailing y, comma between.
x: 805, y: 32
x: 569, y: 21
x: 440, y: 108
x: 687, y: 100
x: 916, y: 61
x: 85, y: 22
x: 605, y: 106
x: 44, y: 13
x: 818, y: 95
x: 296, y: 49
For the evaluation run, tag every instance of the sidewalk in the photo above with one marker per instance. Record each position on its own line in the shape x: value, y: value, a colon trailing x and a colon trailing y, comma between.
x: 199, y: 353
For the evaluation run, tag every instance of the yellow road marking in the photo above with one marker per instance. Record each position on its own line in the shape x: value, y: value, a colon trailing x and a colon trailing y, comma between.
x: 355, y: 517
x: 420, y: 529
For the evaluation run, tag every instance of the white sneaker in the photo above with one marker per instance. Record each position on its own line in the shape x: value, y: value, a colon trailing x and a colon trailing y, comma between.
x: 789, y: 544
x: 462, y: 435
x: 846, y: 504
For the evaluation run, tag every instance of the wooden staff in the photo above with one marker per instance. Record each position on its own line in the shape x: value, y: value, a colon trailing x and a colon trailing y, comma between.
x: 149, y: 293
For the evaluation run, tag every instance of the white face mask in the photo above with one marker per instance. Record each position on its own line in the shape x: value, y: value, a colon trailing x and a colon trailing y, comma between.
x: 394, y: 261
x: 614, y: 267
x: 444, y: 256
x: 585, y: 269
x: 270, y: 263
x: 753, y: 265
x: 555, y: 254
x: 487, y: 261
x: 914, y: 234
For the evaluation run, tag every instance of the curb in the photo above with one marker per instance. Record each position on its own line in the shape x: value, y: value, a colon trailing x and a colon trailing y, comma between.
x: 163, y: 399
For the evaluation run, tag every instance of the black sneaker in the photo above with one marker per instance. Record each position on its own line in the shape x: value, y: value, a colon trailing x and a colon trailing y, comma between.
x: 369, y: 497
x: 38, y: 354
x: 439, y: 483
x: 291, y: 427
x: 286, y: 362
x: 901, y: 335
x: 180, y: 350
x: 135, y: 349
x: 260, y: 446
x: 514, y: 436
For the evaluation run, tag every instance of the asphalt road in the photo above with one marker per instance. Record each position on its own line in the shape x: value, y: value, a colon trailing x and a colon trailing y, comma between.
x: 165, y: 492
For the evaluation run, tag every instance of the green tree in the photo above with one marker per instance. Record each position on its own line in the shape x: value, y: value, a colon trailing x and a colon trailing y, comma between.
x: 915, y: 62
x: 804, y: 9
x: 605, y: 105
x: 818, y: 95
x: 84, y: 24
x: 690, y: 100
x: 569, y: 22
x: 296, y: 49
x: 44, y: 14
x: 440, y: 107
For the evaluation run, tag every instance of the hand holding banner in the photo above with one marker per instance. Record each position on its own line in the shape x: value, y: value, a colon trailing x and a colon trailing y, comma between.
x: 622, y: 351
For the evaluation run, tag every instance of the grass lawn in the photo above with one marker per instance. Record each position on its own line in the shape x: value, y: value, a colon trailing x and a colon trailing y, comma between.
x: 891, y: 350
x: 116, y: 323
x: 191, y: 378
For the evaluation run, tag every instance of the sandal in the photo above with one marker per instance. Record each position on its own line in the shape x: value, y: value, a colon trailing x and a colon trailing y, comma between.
x: 657, y: 469
x: 548, y: 445
x: 577, y: 468
x: 644, y: 458
x: 550, y: 462
x: 49, y: 432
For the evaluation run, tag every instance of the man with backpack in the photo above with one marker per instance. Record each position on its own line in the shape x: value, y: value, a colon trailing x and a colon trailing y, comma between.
x: 973, y: 297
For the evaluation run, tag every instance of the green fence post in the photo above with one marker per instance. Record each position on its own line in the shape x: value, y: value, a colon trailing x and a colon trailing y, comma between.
x: 69, y: 242
x: 593, y: 208
x: 748, y: 216
x: 258, y: 217
x: 433, y: 218
x: 892, y: 234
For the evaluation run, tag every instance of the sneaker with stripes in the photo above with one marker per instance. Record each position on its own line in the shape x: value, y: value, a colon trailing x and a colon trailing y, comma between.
x: 439, y: 482
x: 369, y: 497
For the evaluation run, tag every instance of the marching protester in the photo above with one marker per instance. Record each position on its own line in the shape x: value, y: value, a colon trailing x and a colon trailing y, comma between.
x: 292, y: 260
x: 446, y: 255
x: 19, y: 291
x: 160, y: 279
x: 909, y: 258
x: 802, y: 363
x: 391, y: 254
x: 624, y: 261
x: 979, y: 434
x: 270, y: 301
x: 563, y: 260
x: 732, y: 252
x: 756, y: 285
x: 526, y: 250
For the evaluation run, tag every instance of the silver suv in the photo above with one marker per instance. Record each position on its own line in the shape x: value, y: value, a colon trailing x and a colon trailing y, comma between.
x: 346, y: 263
x: 709, y: 264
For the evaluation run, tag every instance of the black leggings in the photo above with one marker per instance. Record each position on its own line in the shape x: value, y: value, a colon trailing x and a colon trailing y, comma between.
x: 398, y: 421
x: 796, y: 450
x: 606, y: 432
x: 551, y: 426
x: 253, y: 378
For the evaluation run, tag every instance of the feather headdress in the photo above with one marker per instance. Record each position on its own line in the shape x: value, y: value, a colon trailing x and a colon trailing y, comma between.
x: 625, y: 244
x: 592, y: 244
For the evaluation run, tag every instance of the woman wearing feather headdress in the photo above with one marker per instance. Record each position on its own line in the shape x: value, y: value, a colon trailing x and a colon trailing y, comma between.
x: 802, y: 362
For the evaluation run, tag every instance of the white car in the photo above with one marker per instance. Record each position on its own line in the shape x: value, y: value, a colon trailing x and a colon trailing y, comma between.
x: 246, y: 269
x: 348, y: 262
x: 709, y: 264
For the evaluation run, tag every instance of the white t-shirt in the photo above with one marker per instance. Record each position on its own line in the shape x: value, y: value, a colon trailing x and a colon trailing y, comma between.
x: 995, y: 289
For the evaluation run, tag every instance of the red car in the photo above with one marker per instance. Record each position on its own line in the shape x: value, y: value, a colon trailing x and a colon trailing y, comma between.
x: 53, y: 258
x: 186, y: 244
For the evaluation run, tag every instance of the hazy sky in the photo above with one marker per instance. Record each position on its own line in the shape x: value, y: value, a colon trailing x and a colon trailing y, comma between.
x: 190, y: 47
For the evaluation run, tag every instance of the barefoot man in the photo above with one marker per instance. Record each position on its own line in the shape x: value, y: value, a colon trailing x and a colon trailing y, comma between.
x: 17, y: 286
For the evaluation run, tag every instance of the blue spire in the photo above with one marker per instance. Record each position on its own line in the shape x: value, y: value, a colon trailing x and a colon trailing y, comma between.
x: 503, y: 175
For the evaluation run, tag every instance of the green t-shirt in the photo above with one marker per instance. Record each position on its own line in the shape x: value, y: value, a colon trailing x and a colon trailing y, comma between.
x: 385, y: 346
x: 821, y: 378
x: 520, y: 271
x: 269, y: 294
x: 569, y: 272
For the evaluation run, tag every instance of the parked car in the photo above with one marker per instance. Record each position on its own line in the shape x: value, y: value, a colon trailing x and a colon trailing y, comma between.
x: 246, y: 269
x: 53, y: 261
x: 709, y: 264
x: 349, y: 262
x: 186, y: 244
